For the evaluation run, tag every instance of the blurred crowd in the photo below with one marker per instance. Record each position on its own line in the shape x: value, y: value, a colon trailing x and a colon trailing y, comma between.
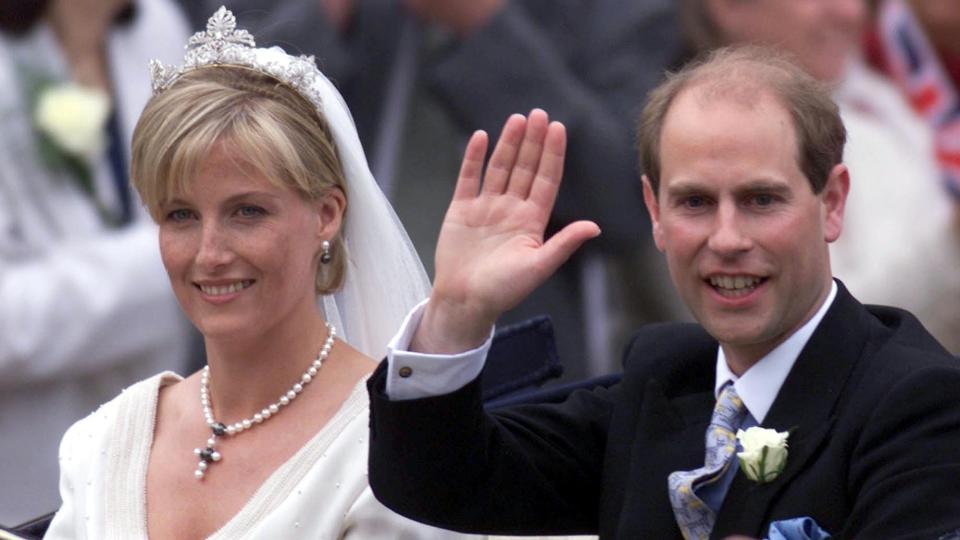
x: 87, y: 309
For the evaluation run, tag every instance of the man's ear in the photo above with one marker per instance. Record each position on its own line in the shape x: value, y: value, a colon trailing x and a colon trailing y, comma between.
x: 834, y: 200
x: 653, y: 208
x: 330, y: 210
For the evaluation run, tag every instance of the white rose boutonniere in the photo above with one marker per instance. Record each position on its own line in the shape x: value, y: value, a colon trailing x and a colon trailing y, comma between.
x: 73, y: 117
x: 764, y: 453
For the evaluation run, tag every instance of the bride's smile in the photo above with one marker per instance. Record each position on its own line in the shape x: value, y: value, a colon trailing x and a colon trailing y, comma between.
x: 242, y: 251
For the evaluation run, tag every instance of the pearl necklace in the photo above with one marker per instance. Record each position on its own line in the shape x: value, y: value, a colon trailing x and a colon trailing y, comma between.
x: 210, y: 455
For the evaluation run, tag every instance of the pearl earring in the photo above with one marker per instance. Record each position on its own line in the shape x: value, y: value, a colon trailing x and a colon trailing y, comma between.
x: 325, y: 256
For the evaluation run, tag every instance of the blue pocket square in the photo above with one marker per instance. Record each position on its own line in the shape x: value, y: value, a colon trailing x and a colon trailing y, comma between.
x: 796, y: 529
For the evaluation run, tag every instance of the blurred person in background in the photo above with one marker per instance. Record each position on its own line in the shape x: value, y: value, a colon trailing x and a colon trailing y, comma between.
x: 899, y: 246
x: 421, y: 75
x: 86, y: 305
x: 917, y: 44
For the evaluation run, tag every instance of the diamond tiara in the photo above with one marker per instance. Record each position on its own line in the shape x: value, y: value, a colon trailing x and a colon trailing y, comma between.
x: 222, y: 44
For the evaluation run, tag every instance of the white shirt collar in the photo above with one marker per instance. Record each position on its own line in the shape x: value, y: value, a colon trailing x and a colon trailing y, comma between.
x: 759, y: 386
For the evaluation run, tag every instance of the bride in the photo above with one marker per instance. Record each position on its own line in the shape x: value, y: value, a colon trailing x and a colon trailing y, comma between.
x: 285, y: 255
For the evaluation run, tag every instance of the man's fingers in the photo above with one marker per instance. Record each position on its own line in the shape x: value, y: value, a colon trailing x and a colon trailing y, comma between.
x: 468, y: 183
x: 564, y: 243
x: 504, y: 155
x: 528, y: 158
x: 546, y: 182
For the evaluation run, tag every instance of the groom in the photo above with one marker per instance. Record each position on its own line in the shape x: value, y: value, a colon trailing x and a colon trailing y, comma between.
x: 746, y: 189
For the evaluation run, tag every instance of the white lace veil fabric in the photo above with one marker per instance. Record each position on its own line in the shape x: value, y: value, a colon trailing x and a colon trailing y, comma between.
x: 384, y: 277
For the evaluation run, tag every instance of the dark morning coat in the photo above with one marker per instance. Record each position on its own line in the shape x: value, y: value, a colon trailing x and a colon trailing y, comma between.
x: 873, y: 403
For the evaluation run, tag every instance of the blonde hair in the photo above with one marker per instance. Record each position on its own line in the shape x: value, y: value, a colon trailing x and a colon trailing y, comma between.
x: 276, y: 131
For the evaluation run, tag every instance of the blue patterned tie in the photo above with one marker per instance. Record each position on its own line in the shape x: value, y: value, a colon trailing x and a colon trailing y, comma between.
x: 694, y: 517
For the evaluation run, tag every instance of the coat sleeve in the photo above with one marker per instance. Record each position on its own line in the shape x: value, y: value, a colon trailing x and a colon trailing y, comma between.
x: 905, y: 465
x: 534, y: 469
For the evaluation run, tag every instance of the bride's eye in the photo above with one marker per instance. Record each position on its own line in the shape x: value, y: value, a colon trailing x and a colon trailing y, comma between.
x: 250, y: 211
x: 179, y: 215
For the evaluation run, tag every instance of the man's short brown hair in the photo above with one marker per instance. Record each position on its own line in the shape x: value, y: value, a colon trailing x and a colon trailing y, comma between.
x: 746, y: 73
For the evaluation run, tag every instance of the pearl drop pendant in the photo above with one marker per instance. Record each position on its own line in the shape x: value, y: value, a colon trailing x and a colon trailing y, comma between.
x: 209, y: 455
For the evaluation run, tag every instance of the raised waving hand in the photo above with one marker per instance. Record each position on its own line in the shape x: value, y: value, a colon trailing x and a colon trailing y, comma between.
x: 491, y: 253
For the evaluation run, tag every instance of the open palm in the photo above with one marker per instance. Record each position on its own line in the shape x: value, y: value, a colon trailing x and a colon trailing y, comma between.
x: 491, y: 253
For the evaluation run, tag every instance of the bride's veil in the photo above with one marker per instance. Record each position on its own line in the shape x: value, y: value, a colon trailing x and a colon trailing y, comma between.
x: 384, y: 276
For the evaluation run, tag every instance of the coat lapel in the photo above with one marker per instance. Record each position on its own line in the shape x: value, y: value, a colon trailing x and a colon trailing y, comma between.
x: 805, y: 405
x: 673, y: 439
x: 669, y: 422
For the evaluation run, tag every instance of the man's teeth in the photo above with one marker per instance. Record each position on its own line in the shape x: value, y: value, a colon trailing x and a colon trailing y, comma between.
x: 225, y: 289
x: 734, y: 285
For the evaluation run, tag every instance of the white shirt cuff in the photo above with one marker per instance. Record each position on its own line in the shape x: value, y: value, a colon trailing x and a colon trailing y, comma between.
x: 412, y: 375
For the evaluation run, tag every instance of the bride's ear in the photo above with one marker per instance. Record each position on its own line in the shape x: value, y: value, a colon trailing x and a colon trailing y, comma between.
x: 330, y: 210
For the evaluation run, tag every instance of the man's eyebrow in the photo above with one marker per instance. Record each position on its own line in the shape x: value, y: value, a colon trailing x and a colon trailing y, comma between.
x: 765, y: 186
x: 687, y: 188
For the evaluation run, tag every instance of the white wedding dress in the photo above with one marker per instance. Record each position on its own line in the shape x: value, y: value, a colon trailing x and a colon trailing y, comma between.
x: 320, y: 492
